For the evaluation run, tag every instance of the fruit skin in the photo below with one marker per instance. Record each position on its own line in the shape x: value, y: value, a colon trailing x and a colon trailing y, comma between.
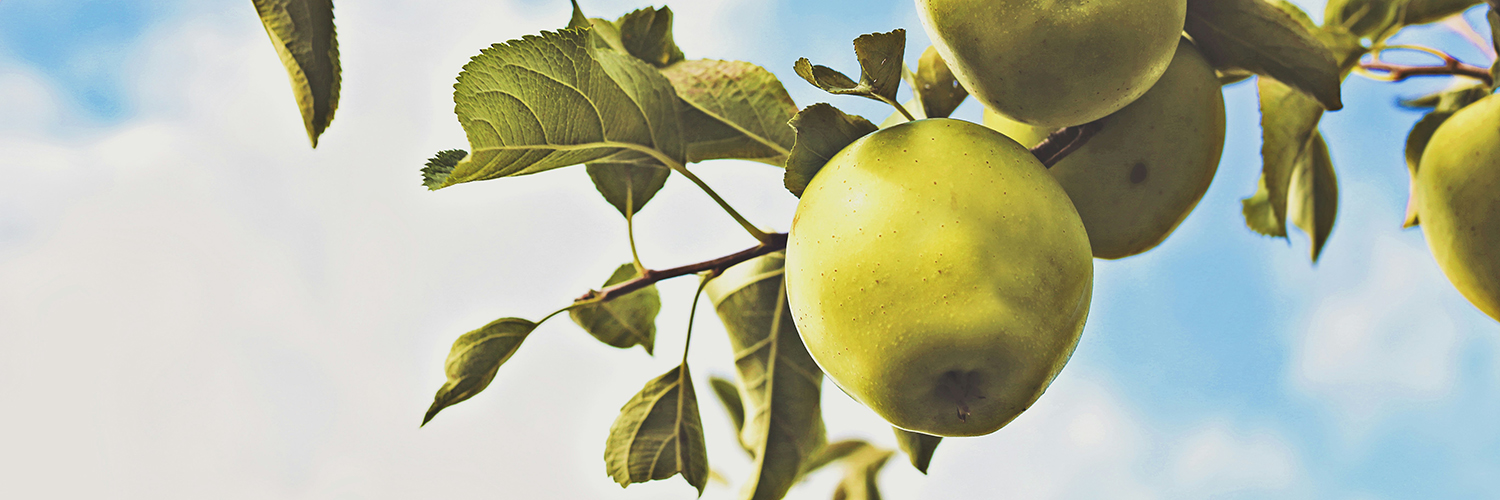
x: 1055, y: 63
x: 1455, y: 192
x: 1146, y: 169
x: 935, y: 263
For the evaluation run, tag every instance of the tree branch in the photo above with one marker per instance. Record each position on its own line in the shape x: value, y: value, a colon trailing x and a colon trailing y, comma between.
x: 1064, y: 141
x: 1450, y: 67
x: 774, y: 242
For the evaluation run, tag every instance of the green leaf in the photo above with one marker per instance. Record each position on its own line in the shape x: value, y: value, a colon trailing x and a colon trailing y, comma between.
x: 733, y: 110
x: 1314, y: 202
x: 729, y: 396
x: 554, y: 100
x: 1264, y: 39
x: 439, y: 166
x: 919, y: 447
x: 833, y: 452
x: 1451, y: 99
x: 659, y: 434
x: 1426, y: 11
x: 1494, y: 19
x: 879, y: 56
x: 935, y: 86
x: 783, y: 385
x: 1287, y: 119
x: 1364, y: 18
x: 1258, y: 213
x: 628, y: 186
x: 623, y: 322
x: 475, y: 358
x: 861, y: 471
x: 305, y: 38
x: 647, y: 35
x: 1421, y: 132
x: 578, y: 20
x: 822, y: 131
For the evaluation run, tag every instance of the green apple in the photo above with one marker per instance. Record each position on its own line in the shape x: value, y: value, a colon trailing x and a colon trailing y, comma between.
x: 1457, y: 199
x: 1055, y: 63
x: 1146, y: 169
x: 938, y: 275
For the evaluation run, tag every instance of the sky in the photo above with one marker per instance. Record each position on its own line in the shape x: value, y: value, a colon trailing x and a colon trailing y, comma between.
x: 195, y: 304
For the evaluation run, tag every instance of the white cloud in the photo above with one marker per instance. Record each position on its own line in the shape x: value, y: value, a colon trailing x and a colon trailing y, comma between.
x: 1217, y: 460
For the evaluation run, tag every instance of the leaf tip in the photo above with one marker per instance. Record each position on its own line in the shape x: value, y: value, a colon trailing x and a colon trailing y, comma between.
x: 435, y: 173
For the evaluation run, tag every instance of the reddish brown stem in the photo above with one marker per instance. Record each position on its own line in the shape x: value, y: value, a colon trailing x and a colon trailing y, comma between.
x: 1450, y: 67
x: 774, y: 242
x: 1064, y: 141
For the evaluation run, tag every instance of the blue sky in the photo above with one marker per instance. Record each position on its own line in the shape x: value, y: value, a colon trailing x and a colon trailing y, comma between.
x: 189, y: 294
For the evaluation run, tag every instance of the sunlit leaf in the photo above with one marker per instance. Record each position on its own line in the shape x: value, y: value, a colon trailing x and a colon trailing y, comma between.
x: 782, y: 385
x: 305, y: 38
x: 1259, y: 216
x: 734, y: 110
x: 1262, y: 38
x: 822, y: 131
x: 475, y: 358
x: 626, y: 321
x: 1288, y: 120
x: 1314, y: 200
x: 919, y: 447
x: 554, y: 100
x: 659, y: 434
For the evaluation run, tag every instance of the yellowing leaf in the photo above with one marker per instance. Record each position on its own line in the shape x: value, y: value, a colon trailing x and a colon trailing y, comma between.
x: 1287, y: 120
x: 475, y: 358
x: 1314, y: 198
x: 659, y: 434
x: 304, y: 36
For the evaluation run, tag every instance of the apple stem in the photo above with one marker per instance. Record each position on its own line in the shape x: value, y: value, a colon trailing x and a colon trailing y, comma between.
x: 1064, y: 141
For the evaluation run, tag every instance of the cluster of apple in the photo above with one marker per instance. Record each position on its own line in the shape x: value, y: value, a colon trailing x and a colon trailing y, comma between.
x: 941, y: 274
x: 940, y: 271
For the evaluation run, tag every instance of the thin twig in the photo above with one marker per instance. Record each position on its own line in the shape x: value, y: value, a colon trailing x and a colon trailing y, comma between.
x: 774, y: 242
x: 1064, y: 141
x: 1450, y: 67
